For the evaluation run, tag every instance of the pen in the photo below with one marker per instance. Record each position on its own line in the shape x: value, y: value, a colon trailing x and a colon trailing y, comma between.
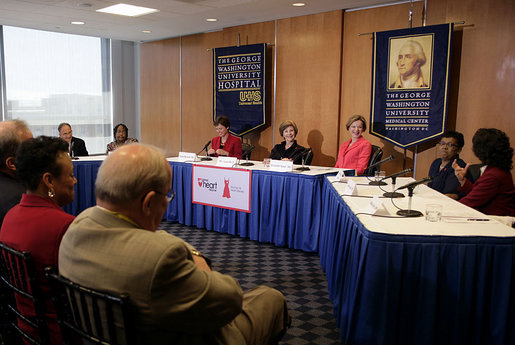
x: 478, y: 219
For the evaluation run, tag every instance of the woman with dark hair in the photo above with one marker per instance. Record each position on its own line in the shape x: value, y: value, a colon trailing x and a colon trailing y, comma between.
x: 121, y: 137
x: 355, y: 153
x: 38, y: 223
x: 444, y: 180
x: 224, y: 144
x: 288, y: 149
x: 493, y: 192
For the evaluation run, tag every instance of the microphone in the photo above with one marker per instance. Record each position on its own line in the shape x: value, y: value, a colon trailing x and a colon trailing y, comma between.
x: 305, y: 155
x: 246, y: 153
x: 409, y: 212
x: 387, y: 159
x: 393, y: 176
x: 205, y: 148
x: 393, y: 193
x: 416, y: 183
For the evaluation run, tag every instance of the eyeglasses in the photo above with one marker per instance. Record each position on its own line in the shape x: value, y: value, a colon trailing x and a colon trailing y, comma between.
x: 169, y: 197
x: 441, y: 143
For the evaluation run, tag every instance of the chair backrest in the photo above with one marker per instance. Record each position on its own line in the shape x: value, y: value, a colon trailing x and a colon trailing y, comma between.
x: 309, y: 157
x: 98, y: 317
x: 474, y: 172
x: 246, y: 150
x: 19, y: 278
x: 375, y: 156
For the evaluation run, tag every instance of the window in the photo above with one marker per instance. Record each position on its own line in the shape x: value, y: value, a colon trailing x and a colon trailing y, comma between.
x: 52, y: 78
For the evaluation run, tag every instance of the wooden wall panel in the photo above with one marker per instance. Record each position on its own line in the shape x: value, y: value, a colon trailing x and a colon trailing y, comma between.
x: 483, y: 71
x: 308, y: 80
x: 159, y: 90
x: 357, y: 69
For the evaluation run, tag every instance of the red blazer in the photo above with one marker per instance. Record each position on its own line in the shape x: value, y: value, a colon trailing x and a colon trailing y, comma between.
x: 37, y: 224
x: 232, y: 145
x: 355, y: 156
x: 492, y: 193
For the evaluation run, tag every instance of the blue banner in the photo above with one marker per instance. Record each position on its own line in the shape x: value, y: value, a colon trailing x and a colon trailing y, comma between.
x: 239, y: 86
x: 410, y: 84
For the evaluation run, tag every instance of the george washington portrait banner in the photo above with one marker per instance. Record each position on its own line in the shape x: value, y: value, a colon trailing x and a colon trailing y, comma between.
x: 239, y: 86
x: 410, y: 80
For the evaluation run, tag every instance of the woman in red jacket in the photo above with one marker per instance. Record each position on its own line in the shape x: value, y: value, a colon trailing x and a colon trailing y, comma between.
x: 224, y: 144
x: 493, y: 191
x: 355, y: 153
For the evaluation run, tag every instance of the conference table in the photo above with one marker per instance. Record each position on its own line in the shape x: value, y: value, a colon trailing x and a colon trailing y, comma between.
x: 411, y: 281
x: 392, y: 280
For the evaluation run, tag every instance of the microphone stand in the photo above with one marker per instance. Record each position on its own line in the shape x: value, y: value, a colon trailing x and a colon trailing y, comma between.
x: 377, y: 183
x: 393, y: 193
x: 247, y: 163
x: 206, y: 158
x: 409, y: 212
x: 303, y: 167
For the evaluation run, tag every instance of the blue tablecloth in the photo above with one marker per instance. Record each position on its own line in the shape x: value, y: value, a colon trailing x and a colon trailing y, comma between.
x: 285, y: 209
x: 391, y: 289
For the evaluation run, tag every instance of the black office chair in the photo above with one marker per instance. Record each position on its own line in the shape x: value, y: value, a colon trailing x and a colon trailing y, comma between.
x: 309, y: 157
x: 19, y: 277
x: 246, y: 150
x: 375, y: 156
x: 474, y: 172
x: 97, y: 317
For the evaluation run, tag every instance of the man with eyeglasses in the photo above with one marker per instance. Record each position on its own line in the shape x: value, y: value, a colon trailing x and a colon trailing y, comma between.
x: 178, y: 299
x: 444, y: 179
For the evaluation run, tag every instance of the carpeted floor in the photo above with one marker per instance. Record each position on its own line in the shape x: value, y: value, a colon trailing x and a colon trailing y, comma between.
x: 296, y: 274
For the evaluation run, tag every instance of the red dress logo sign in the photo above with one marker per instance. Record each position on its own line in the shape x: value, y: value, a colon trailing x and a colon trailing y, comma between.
x: 227, y: 192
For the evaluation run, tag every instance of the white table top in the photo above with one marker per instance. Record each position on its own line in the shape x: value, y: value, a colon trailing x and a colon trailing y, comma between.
x: 455, y: 216
x: 258, y: 165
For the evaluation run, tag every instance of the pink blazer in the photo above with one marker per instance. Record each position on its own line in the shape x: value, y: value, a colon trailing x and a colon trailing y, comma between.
x: 354, y: 157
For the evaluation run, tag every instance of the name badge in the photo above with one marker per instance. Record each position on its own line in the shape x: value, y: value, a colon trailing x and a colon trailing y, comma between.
x: 280, y: 165
x: 226, y: 162
x: 187, y: 157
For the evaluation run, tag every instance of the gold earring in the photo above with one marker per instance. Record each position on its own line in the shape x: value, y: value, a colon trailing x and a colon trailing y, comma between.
x: 51, y: 192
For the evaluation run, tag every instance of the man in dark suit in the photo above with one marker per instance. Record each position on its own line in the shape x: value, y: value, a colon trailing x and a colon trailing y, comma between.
x: 76, y: 145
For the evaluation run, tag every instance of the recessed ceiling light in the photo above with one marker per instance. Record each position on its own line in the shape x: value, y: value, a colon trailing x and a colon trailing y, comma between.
x: 211, y: 20
x: 146, y: 31
x: 78, y: 23
x: 298, y: 4
x: 127, y: 10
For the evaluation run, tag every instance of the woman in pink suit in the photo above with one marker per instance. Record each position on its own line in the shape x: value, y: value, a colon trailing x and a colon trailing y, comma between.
x: 355, y: 153
x: 224, y: 144
x: 493, y: 191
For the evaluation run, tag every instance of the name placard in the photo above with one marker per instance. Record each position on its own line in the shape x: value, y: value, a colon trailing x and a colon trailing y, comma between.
x: 187, y: 157
x: 227, y: 162
x: 350, y: 188
x: 280, y: 165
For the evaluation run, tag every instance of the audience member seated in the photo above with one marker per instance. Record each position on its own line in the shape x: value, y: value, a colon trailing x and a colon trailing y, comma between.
x: 441, y: 169
x: 38, y: 223
x: 12, y: 133
x: 76, y: 146
x: 288, y: 149
x: 493, y: 192
x: 115, y: 247
x: 121, y: 137
x: 355, y: 153
x: 225, y: 144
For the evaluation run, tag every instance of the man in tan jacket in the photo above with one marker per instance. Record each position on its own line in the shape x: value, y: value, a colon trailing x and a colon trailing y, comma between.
x: 115, y: 247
